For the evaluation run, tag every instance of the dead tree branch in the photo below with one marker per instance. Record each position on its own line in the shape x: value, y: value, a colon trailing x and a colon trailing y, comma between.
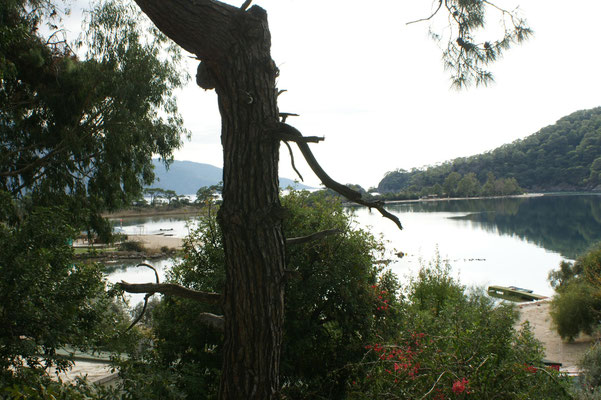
x: 292, y: 161
x: 312, y: 237
x: 347, y: 192
x: 156, y: 274
x: 245, y: 5
x: 289, y: 133
x: 285, y: 115
x: 148, y: 295
x: 428, y: 18
x: 171, y: 289
x: 135, y: 321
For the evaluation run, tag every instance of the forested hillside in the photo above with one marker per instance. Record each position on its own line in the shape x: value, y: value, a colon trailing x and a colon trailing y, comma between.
x: 563, y: 156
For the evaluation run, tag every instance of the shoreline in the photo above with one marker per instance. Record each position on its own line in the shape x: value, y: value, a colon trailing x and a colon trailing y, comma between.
x: 537, y: 314
x: 190, y: 210
x: 149, y: 212
x: 154, y: 246
x: 427, y: 200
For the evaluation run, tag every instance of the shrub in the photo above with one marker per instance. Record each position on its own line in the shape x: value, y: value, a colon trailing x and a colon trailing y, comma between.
x: 455, y: 344
x: 576, y: 307
x: 132, y: 246
x: 590, y: 366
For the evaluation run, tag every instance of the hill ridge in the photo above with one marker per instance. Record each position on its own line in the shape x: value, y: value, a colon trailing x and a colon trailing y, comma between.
x: 186, y: 177
x: 565, y: 156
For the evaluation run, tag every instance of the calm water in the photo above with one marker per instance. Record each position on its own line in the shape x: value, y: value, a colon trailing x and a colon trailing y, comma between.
x: 497, y: 241
x: 505, y: 242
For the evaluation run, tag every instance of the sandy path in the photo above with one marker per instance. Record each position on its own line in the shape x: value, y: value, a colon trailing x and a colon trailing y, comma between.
x: 569, y: 354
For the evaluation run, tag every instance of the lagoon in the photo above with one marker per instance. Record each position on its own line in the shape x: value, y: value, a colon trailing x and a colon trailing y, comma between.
x: 505, y: 241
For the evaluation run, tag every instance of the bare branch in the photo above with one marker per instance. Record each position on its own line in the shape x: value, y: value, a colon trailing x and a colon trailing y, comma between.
x: 135, y: 321
x: 212, y: 320
x: 433, y: 386
x: 347, y: 192
x: 285, y: 115
x: 312, y: 237
x: 428, y: 18
x: 292, y: 161
x: 245, y: 5
x: 171, y: 289
x: 185, y: 21
x: 289, y: 133
x: 148, y: 295
x: 304, y: 139
x: 156, y: 274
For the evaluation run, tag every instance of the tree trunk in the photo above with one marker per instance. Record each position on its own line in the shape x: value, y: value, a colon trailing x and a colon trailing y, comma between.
x: 250, y: 219
x: 234, y: 46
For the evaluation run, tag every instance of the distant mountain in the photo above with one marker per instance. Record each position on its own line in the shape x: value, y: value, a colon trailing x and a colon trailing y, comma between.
x: 565, y: 156
x: 186, y: 177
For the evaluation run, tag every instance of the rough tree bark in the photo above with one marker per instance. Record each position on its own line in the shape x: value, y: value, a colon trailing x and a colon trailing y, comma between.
x: 233, y: 46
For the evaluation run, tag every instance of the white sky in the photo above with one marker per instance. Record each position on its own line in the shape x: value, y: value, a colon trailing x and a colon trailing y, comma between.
x: 376, y: 89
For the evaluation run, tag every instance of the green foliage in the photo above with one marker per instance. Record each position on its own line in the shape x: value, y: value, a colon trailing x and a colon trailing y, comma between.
x: 454, y: 344
x: 132, y: 246
x: 590, y: 378
x: 32, y: 385
x: 467, y: 52
x: 83, y: 131
x: 336, y: 300
x: 575, y: 309
x: 46, y: 300
x: 208, y: 195
x: 77, y: 135
x: 563, y: 156
x: 468, y: 186
x: 577, y: 304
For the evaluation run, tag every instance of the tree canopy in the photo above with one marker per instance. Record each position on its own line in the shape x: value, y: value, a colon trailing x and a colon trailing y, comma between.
x: 79, y: 122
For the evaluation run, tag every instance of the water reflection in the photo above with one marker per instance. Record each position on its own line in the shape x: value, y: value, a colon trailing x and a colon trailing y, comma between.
x: 174, y: 225
x: 568, y: 225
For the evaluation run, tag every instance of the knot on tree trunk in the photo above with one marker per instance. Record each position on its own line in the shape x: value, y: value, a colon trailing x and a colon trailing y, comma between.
x: 204, y: 77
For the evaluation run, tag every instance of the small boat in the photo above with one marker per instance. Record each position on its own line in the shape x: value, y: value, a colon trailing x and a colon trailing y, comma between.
x: 513, y: 293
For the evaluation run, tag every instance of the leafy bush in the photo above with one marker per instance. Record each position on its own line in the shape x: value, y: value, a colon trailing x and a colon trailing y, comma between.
x: 577, y: 305
x: 576, y: 309
x: 455, y: 344
x: 591, y: 366
x: 132, y: 246
x: 47, y: 300
x: 32, y: 385
x: 589, y: 381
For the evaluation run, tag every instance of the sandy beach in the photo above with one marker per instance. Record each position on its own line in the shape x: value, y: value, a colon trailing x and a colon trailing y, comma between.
x: 569, y: 354
x: 155, y: 242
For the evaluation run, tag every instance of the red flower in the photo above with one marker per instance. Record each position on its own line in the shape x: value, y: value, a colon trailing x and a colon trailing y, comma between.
x: 459, y: 386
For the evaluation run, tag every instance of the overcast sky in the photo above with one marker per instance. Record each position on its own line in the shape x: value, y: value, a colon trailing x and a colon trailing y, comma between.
x: 376, y: 88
